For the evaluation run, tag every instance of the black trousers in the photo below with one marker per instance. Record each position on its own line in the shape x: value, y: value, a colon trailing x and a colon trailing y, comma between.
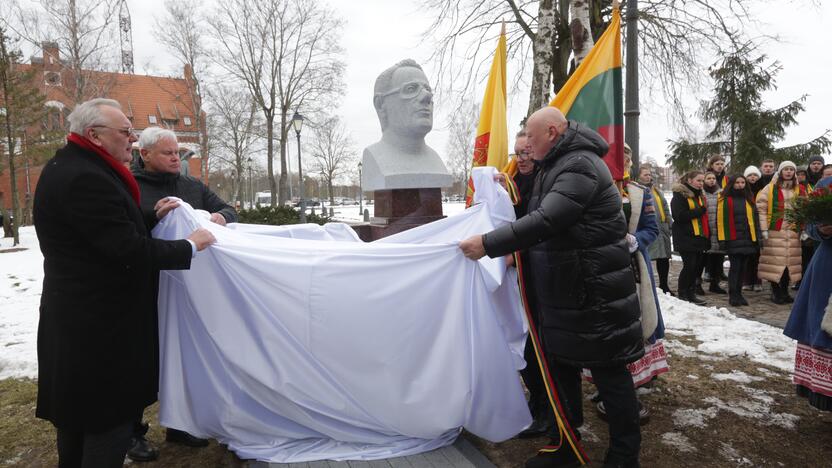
x: 806, y: 253
x: 663, y: 269
x: 714, y: 265
x: 538, y: 400
x: 750, y: 271
x: 739, y: 263
x: 692, y: 264
x: 615, y: 386
x: 78, y: 449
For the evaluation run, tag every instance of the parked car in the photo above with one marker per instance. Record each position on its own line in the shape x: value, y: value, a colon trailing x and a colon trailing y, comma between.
x: 349, y: 201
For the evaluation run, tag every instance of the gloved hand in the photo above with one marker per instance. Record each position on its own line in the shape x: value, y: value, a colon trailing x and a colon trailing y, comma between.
x: 632, y: 242
x: 803, y: 236
x: 765, y: 235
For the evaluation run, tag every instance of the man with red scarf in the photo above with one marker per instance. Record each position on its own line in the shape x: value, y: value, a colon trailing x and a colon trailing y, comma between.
x: 97, y: 369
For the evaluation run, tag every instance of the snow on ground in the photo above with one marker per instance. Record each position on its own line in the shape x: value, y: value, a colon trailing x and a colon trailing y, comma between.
x: 720, y: 332
x: 678, y: 441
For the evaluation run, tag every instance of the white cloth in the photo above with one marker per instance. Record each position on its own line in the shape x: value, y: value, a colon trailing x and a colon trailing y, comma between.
x: 301, y: 343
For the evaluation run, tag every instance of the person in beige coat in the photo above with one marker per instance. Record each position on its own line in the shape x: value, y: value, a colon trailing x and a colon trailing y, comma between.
x: 780, y: 260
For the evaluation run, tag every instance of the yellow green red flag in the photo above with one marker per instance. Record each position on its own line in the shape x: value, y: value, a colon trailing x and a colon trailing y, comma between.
x: 593, y: 94
x: 491, y: 144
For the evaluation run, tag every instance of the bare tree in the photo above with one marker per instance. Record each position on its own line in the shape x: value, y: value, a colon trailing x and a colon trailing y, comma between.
x: 287, y: 54
x: 234, y: 129
x: 582, y: 42
x: 675, y: 36
x: 334, y: 152
x: 462, y: 130
x: 83, y: 31
x: 183, y: 28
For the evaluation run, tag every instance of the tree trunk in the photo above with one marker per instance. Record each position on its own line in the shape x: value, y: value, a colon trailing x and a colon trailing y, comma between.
x: 542, y: 56
x: 580, y: 30
x: 18, y: 218
x: 270, y: 154
x: 284, y: 173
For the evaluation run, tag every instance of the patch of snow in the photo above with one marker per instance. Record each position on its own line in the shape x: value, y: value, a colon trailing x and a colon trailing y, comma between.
x: 694, y: 417
x: 737, y: 376
x: 756, y: 410
x: 767, y: 372
x: 678, y: 441
x: 644, y: 391
x: 733, y: 455
x: 587, y: 433
x: 693, y: 377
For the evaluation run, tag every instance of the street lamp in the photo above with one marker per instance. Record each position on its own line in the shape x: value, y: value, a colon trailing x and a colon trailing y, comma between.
x: 250, y: 186
x: 360, y: 193
x: 297, y: 122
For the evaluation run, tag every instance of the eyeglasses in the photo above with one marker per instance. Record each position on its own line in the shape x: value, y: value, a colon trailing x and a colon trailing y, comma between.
x: 410, y: 90
x: 522, y: 156
x: 128, y: 132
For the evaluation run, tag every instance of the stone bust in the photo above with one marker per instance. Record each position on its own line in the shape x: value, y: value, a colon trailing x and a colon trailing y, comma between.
x: 403, y: 100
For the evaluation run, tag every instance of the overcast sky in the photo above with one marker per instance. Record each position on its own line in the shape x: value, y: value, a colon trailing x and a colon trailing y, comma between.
x: 378, y: 33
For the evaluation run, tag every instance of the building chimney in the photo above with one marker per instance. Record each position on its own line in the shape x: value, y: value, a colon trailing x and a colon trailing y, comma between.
x: 51, y: 55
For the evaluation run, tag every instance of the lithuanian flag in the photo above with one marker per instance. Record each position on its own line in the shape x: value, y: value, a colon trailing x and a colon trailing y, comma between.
x: 593, y: 94
x: 491, y: 144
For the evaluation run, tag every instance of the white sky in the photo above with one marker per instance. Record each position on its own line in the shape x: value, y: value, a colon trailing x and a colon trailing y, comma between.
x: 379, y: 33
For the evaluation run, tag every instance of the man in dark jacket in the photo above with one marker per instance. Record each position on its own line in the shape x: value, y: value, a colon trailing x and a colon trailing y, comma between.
x: 584, y: 286
x: 96, y: 366
x: 157, y: 173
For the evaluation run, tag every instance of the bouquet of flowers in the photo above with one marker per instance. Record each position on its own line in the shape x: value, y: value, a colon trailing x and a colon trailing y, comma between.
x: 816, y: 208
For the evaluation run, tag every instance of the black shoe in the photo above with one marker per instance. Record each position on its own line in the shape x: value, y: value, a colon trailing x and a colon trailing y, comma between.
x: 141, y: 450
x: 560, y: 458
x: 694, y: 299
x: 787, y: 299
x: 796, y: 286
x: 716, y: 289
x: 776, y: 297
x: 743, y: 301
x: 540, y: 427
x: 643, y: 413
x: 181, y: 437
x: 666, y: 290
x: 699, y: 290
x: 735, y: 302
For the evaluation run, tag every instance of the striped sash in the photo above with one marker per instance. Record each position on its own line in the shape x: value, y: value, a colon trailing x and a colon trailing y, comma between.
x: 657, y: 200
x: 700, y: 225
x: 726, y: 223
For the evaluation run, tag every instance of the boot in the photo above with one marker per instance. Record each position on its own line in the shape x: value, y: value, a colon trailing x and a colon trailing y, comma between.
x: 140, y: 449
x: 715, y: 288
x: 181, y: 437
x: 693, y: 298
x: 776, y: 294
x: 735, y: 301
x: 561, y: 457
x: 698, y: 288
x: 784, y: 290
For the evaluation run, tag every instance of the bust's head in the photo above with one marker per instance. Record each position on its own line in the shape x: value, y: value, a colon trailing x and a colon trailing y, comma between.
x: 403, y: 100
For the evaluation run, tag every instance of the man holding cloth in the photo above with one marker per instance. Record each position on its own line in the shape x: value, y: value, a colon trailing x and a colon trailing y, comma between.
x: 584, y: 286
x: 96, y: 366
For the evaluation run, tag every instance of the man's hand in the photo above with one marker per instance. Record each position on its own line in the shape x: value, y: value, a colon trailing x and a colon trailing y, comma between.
x: 472, y: 247
x: 218, y: 218
x: 202, y: 238
x: 501, y: 179
x: 165, y: 206
x: 509, y: 260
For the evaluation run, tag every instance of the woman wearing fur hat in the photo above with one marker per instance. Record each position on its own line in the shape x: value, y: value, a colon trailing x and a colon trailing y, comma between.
x: 691, y: 234
x: 810, y: 322
x: 780, y: 260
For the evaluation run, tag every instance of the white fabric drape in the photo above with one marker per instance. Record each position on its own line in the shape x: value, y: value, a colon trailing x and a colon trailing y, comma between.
x: 301, y: 343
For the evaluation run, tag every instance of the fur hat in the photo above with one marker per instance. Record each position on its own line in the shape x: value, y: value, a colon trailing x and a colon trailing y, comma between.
x: 786, y: 164
x: 818, y: 158
x: 752, y: 170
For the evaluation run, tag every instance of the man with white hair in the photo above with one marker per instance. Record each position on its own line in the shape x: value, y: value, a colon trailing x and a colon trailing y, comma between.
x: 158, y: 175
x: 96, y: 367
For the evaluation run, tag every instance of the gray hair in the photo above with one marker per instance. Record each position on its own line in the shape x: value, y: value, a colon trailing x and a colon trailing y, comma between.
x: 88, y: 114
x: 151, y: 135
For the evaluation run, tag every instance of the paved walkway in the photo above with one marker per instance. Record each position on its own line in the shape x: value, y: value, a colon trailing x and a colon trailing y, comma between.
x: 459, y: 455
x: 760, y: 307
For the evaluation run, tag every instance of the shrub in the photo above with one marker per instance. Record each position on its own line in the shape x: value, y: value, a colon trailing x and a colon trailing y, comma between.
x: 277, y: 216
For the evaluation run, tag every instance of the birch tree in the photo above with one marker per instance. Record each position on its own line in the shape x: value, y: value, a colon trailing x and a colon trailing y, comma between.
x: 462, y: 130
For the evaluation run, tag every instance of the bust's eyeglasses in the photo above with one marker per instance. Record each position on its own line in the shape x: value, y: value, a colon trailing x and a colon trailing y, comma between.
x: 409, y: 90
x: 128, y: 132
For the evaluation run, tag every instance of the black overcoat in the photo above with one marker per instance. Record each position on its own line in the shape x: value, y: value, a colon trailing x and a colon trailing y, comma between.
x: 97, y: 363
x: 580, y: 264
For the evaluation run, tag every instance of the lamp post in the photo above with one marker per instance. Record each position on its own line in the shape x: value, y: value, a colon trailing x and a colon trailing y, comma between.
x: 360, y: 192
x: 297, y: 122
x: 250, y: 186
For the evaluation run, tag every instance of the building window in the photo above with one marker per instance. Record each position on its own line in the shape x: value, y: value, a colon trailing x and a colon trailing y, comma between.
x: 151, y: 119
x: 187, y: 121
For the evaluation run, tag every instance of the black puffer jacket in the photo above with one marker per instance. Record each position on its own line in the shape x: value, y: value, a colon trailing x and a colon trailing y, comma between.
x: 580, y: 265
x: 684, y: 239
x: 742, y: 244
x: 157, y: 185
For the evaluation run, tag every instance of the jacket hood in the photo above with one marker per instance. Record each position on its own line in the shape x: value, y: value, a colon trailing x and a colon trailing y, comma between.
x: 683, y: 189
x: 577, y: 137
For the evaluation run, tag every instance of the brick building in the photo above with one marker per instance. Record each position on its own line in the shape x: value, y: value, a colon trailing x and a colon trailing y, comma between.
x: 148, y: 101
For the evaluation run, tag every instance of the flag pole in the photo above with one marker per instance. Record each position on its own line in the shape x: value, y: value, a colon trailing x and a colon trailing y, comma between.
x: 631, y: 108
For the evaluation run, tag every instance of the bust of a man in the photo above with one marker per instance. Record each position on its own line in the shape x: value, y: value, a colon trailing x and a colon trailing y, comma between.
x: 403, y: 100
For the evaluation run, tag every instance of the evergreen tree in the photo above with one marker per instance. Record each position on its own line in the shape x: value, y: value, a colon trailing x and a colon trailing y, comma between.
x: 744, y: 131
x: 22, y: 107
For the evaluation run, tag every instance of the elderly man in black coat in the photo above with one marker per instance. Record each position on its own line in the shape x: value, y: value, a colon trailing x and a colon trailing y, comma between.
x: 96, y: 366
x: 157, y: 172
x: 584, y: 287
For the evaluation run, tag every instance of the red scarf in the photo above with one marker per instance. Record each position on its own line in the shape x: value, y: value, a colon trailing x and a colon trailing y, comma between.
x: 123, y: 173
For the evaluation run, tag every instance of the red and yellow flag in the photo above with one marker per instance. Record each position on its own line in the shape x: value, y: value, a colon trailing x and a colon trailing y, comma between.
x: 593, y: 94
x: 491, y: 145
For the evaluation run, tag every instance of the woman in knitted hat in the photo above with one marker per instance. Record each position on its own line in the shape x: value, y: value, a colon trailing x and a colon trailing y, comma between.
x: 750, y: 279
x: 780, y: 260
